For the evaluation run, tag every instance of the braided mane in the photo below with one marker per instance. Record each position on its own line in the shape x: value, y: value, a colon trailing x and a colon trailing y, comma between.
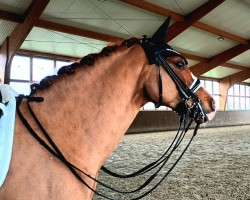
x: 88, y: 60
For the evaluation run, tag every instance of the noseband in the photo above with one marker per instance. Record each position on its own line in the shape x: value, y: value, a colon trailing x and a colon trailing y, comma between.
x: 157, y: 55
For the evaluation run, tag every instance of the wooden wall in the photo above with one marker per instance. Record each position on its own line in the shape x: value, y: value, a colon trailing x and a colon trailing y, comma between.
x: 149, y: 121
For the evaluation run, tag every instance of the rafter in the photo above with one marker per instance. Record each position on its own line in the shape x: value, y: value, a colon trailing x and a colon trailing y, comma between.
x: 11, y: 16
x: 21, y: 31
x: 202, y: 59
x: 237, y: 78
x: 222, y: 57
x: 193, y: 57
x: 234, y: 66
x: 191, y: 18
x: 219, y: 32
x: 178, y: 17
x: 77, y: 31
x: 154, y: 9
x: 47, y: 55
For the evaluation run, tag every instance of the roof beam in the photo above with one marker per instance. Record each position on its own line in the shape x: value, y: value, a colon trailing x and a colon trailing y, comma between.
x: 219, y: 32
x: 193, y: 57
x: 237, y: 78
x: 219, y: 59
x: 155, y: 9
x: 178, y: 17
x: 202, y: 59
x: 21, y: 31
x: 77, y: 31
x: 47, y: 55
x: 11, y: 16
x: 234, y: 66
x: 191, y: 18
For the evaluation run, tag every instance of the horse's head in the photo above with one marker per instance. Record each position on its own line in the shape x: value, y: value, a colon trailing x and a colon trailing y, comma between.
x: 171, y: 83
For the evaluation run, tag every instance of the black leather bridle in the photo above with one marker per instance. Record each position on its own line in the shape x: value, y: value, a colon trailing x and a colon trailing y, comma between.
x: 191, y: 102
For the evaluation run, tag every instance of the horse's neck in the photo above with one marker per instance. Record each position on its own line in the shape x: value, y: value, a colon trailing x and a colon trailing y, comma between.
x: 87, y: 113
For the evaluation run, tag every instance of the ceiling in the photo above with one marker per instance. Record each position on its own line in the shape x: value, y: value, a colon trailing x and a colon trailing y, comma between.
x: 75, y: 28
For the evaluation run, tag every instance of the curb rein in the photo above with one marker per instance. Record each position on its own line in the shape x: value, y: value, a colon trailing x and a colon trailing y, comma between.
x: 154, y: 56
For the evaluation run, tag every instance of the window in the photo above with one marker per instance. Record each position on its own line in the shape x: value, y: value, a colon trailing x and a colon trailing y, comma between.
x: 20, y: 74
x: 59, y: 64
x: 238, y: 97
x: 20, y: 68
x: 27, y: 69
x: 42, y: 68
x: 213, y: 88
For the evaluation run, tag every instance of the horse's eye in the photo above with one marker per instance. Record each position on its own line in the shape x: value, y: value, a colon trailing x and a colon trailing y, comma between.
x: 180, y: 65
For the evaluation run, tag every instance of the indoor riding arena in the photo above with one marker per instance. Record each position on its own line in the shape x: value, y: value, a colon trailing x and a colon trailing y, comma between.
x: 125, y: 100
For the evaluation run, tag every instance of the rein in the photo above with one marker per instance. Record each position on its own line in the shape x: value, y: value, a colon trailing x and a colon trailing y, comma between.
x: 187, y: 115
x: 161, y: 162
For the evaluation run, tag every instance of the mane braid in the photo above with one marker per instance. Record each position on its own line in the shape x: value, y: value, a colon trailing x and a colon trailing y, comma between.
x: 88, y: 60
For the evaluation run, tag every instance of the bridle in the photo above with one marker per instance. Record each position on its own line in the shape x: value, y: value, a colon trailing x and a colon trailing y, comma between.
x: 187, y: 115
x: 158, y: 56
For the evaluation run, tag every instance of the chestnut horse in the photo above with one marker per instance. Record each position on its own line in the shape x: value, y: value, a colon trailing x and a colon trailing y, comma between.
x: 87, y: 110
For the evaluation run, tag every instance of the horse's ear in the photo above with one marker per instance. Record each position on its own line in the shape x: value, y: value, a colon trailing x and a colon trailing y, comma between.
x: 160, y: 35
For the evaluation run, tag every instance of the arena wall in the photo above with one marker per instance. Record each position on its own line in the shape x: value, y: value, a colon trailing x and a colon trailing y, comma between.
x: 150, y: 121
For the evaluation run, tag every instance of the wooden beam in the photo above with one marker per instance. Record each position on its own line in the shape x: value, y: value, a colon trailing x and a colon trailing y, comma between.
x: 47, y: 55
x: 180, y: 18
x: 191, y: 18
x: 77, y: 31
x: 21, y: 31
x: 238, y: 77
x: 193, y: 57
x: 213, y: 62
x: 5, y: 15
x: 202, y: 59
x: 227, y: 82
x: 3, y: 58
x: 219, y: 32
x: 154, y: 9
x: 234, y: 66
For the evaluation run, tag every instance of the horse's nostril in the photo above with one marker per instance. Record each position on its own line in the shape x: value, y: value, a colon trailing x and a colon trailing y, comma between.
x: 213, y: 105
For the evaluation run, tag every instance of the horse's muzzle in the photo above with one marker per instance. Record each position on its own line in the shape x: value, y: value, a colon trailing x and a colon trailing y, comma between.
x: 195, y: 111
